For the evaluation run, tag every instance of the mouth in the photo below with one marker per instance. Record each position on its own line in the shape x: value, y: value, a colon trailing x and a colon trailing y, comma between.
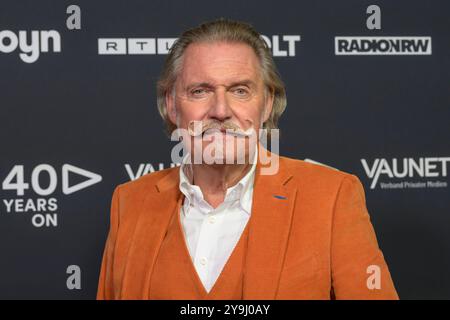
x: 227, y: 129
x: 213, y: 130
x: 228, y: 132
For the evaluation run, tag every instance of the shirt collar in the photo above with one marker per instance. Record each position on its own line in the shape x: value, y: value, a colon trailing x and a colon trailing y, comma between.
x: 243, y: 190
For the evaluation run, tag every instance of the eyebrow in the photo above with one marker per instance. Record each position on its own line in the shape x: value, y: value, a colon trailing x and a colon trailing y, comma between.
x: 248, y: 83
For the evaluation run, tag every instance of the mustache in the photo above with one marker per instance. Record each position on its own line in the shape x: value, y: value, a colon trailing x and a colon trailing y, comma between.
x: 198, y: 128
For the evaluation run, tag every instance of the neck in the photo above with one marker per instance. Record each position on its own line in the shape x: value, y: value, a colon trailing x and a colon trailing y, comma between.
x: 214, y: 180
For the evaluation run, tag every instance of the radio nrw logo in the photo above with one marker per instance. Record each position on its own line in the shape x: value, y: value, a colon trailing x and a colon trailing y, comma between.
x: 392, y: 45
x: 382, y: 45
x: 43, y: 182
x: 407, y: 173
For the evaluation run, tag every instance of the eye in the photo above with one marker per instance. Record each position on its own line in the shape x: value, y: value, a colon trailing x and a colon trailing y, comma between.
x: 198, y: 92
x: 241, y: 92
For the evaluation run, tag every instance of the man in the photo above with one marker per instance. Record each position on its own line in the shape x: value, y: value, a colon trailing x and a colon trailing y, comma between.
x: 228, y: 225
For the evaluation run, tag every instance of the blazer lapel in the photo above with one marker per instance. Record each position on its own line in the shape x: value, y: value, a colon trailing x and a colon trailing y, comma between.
x: 155, y: 214
x: 270, y: 223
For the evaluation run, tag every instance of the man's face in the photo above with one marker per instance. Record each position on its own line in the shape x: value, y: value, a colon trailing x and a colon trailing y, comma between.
x: 220, y: 83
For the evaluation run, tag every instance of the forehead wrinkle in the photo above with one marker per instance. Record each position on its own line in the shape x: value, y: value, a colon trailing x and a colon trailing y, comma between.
x: 211, y: 70
x: 203, y: 62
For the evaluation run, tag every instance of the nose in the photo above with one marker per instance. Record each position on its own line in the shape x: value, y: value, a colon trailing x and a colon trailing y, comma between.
x: 220, y: 109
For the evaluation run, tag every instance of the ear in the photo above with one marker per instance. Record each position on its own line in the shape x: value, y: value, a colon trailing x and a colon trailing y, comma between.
x: 170, y: 105
x: 268, y: 105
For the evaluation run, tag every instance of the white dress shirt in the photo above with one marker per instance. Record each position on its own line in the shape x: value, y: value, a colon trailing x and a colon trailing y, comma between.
x: 211, y: 234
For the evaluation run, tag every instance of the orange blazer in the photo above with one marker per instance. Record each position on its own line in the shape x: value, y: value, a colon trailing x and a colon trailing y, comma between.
x: 310, y: 236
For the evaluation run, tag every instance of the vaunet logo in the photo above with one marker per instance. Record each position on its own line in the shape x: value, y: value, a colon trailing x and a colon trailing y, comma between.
x: 43, y: 182
x: 145, y: 168
x: 407, y: 173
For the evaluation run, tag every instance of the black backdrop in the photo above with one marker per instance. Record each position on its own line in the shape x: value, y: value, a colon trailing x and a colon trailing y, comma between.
x: 77, y: 109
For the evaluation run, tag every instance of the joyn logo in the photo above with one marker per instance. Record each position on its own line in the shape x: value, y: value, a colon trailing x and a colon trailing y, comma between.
x: 429, y: 167
x: 31, y: 44
x: 382, y: 45
x: 282, y: 46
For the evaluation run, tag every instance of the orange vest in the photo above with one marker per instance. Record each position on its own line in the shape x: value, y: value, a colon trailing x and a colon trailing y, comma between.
x: 174, y: 275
